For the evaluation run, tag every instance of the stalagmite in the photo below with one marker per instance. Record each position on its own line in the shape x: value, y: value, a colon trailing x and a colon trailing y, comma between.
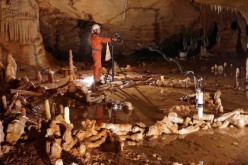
x: 225, y: 64
x: 162, y: 78
x: 212, y: 69
x: 47, y: 110
x: 10, y: 72
x: 4, y: 102
x: 50, y: 76
x: 215, y: 67
x: 72, y: 74
x: 237, y: 73
x: 247, y: 70
x: 67, y: 115
x: 39, y: 77
x: 220, y: 69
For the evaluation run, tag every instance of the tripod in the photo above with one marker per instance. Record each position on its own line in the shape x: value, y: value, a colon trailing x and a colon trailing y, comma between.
x: 113, y: 63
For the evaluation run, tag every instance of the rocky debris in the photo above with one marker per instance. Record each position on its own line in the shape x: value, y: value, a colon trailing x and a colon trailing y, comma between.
x: 185, y: 83
x: 173, y: 124
x: 119, y: 129
x: 61, y: 136
x: 212, y: 101
x: 81, y: 93
x: 175, y: 83
x: 15, y: 129
x: 95, y: 99
x: 157, y: 129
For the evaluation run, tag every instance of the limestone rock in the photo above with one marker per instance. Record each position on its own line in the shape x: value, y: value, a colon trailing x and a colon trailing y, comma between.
x: 14, y: 131
x: 54, y: 150
x: 119, y: 129
x: 157, y: 129
x: 189, y: 129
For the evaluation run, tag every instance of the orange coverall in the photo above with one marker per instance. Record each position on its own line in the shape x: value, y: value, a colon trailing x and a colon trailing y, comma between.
x: 96, y: 45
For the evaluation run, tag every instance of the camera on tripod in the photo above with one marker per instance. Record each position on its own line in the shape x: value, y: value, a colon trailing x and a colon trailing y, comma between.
x: 117, y: 37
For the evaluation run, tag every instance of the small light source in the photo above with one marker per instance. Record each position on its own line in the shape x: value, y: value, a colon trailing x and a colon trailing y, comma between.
x: 88, y: 81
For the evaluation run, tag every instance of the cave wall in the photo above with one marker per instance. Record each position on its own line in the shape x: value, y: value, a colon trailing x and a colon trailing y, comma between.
x: 65, y: 24
x: 33, y: 29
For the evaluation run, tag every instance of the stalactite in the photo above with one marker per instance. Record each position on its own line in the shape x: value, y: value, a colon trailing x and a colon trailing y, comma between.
x: 222, y: 16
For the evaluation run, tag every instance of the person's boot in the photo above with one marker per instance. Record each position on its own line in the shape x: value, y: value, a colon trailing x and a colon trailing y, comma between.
x: 98, y: 83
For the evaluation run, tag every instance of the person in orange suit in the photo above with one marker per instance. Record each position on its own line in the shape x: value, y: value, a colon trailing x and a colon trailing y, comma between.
x: 96, y: 45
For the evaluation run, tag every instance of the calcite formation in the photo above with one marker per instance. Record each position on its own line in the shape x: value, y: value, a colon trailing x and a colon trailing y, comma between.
x: 223, y: 14
x: 19, y: 27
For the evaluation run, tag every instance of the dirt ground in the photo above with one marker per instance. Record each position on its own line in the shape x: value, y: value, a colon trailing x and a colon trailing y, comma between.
x: 151, y: 103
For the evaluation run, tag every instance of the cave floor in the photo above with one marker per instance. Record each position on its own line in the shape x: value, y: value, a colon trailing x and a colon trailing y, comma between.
x: 151, y: 103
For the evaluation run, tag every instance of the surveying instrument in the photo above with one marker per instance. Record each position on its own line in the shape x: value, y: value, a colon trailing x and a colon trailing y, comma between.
x: 113, y: 63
